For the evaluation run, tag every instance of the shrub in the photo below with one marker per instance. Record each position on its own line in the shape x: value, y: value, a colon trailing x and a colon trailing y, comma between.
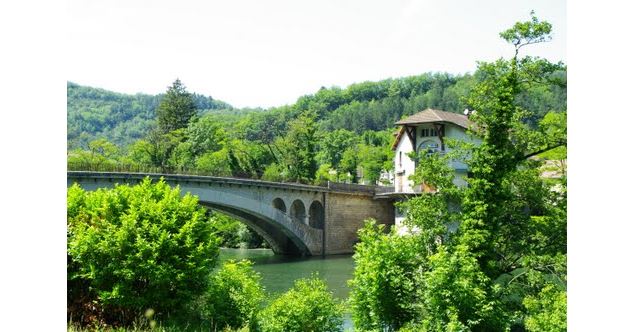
x: 458, y: 296
x: 384, y: 291
x: 234, y: 296
x: 215, y: 163
x: 308, y: 306
x: 275, y: 172
x: 547, y: 311
x: 136, y: 247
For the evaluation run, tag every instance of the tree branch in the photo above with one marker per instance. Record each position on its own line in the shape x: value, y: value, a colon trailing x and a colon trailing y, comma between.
x: 551, y: 147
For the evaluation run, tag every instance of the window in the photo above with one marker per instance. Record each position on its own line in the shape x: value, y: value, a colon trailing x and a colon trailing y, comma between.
x: 424, y: 132
x: 433, y: 132
x: 428, y: 147
x: 399, y: 158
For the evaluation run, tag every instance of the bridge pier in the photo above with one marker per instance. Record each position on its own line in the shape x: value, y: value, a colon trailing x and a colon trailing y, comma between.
x: 346, y: 213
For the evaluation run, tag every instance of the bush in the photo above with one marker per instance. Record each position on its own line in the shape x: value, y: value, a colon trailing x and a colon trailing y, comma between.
x: 275, y: 172
x: 384, y: 289
x: 136, y: 247
x: 547, y: 311
x: 458, y: 296
x: 215, y: 163
x: 308, y: 306
x: 234, y: 296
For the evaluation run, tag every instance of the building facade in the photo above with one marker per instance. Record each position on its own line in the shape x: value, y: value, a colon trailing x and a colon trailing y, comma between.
x: 428, y: 132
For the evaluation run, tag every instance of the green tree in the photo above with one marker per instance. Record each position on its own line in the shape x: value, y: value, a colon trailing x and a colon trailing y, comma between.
x: 176, y: 109
x: 384, y: 285
x: 100, y: 153
x: 332, y: 145
x: 547, y: 311
x: 372, y: 160
x: 159, y: 148
x: 206, y: 135
x: 246, y: 159
x: 275, y: 172
x: 348, y: 164
x: 490, y: 248
x: 323, y: 174
x: 141, y: 153
x: 308, y: 306
x: 215, y: 163
x: 136, y: 247
x: 234, y: 296
x: 299, y: 148
x: 226, y: 229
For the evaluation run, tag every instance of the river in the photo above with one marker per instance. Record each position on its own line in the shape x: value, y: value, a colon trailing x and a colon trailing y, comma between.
x: 279, y: 272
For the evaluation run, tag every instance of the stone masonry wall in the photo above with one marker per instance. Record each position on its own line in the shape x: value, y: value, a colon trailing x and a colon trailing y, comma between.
x: 346, y: 214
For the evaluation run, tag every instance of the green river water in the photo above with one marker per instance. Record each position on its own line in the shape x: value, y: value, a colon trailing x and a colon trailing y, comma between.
x: 279, y: 272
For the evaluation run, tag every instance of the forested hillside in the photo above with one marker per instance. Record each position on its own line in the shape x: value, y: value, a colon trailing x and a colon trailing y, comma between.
x: 120, y: 118
x: 338, y: 134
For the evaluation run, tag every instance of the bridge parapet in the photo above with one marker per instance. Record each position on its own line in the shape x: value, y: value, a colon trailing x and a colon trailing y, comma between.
x: 185, y: 178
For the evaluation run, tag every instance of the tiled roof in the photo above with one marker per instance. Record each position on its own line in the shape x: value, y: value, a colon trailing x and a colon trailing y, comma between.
x: 430, y: 115
x: 397, y: 137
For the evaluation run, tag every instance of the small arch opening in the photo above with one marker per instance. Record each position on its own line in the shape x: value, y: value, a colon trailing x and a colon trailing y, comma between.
x: 316, y: 215
x: 298, y: 211
x: 428, y: 147
x: 278, y: 203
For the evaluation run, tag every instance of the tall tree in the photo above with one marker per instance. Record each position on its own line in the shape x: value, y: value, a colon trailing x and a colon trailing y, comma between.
x: 176, y: 108
x: 493, y: 253
x: 300, y: 148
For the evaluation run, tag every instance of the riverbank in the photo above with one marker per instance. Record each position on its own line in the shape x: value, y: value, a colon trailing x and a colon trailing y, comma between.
x: 278, y: 274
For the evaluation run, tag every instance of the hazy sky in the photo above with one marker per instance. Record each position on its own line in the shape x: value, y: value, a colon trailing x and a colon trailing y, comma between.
x: 268, y: 53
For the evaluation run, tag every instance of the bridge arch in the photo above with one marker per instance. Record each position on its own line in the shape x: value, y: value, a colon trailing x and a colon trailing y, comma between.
x: 316, y: 215
x: 252, y: 202
x: 285, y: 235
x: 298, y: 211
x: 278, y: 203
x: 281, y: 240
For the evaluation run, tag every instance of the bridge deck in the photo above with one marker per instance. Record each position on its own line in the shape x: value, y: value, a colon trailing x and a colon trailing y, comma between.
x: 294, y: 218
x: 328, y: 187
x: 197, y: 179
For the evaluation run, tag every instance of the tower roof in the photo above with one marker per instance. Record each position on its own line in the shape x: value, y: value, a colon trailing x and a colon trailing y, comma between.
x: 430, y: 116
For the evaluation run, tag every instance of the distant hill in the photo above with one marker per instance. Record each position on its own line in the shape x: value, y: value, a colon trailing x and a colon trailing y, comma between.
x: 120, y: 118
x: 376, y: 106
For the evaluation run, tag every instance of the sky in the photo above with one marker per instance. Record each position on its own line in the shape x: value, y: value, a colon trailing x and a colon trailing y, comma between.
x: 269, y: 53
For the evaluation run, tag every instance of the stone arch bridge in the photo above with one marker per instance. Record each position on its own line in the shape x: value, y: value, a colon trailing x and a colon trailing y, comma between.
x: 293, y: 218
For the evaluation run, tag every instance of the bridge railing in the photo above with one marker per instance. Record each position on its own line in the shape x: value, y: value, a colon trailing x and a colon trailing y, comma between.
x: 384, y: 189
x: 135, y: 168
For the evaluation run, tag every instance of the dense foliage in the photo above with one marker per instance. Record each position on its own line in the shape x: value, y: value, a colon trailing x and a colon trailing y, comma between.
x: 94, y: 113
x: 492, y: 254
x: 384, y: 289
x: 234, y: 234
x: 333, y: 135
x: 135, y: 247
x: 489, y: 256
x: 234, y: 296
x: 308, y: 306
